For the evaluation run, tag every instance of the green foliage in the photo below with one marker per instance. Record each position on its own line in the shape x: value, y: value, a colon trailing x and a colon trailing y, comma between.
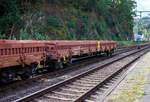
x: 38, y: 36
x: 24, y: 35
x: 103, y: 7
x: 91, y: 4
x: 68, y: 19
x: 125, y: 13
x: 53, y: 21
x: 2, y: 36
x: 109, y: 20
x: 100, y: 28
x: 9, y: 15
x: 128, y: 43
x: 72, y: 35
x: 74, y: 11
x: 113, y: 37
x: 71, y: 23
x: 83, y: 38
x: 84, y: 25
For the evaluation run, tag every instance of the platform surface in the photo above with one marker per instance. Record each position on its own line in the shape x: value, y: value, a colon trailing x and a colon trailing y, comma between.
x: 146, y: 96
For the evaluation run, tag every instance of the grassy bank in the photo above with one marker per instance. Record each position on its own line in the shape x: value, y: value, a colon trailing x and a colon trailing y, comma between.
x: 129, y: 43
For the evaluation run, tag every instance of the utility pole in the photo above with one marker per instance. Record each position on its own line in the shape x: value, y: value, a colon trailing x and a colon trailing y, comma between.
x: 141, y: 12
x: 140, y: 20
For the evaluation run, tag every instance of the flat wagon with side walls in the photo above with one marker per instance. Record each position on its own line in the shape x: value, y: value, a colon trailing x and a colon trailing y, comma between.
x: 63, y: 51
x: 18, y: 57
x: 21, y: 58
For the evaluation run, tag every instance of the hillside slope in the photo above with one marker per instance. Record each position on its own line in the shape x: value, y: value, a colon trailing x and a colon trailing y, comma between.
x: 67, y: 19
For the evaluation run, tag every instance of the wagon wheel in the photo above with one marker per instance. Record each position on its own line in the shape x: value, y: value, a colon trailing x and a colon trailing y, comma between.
x: 51, y: 67
x: 111, y: 53
x: 34, y: 69
x: 5, y: 78
x: 26, y: 75
x: 108, y: 53
x: 59, y: 65
x: 69, y: 62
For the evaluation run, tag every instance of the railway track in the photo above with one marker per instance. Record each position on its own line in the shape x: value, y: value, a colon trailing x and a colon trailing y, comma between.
x: 80, y: 87
x: 77, y: 63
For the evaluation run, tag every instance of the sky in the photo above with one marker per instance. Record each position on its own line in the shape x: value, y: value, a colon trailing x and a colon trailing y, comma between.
x: 143, y: 5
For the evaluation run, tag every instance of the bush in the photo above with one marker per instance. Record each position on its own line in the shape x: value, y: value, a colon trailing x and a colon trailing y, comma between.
x: 53, y: 21
x: 24, y: 35
x: 72, y: 35
x: 2, y: 36
x: 112, y: 35
x: 71, y: 23
x: 9, y: 15
x: 101, y: 29
x: 39, y: 36
x: 84, y: 25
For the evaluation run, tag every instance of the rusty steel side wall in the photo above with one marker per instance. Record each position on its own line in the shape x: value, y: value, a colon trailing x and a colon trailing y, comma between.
x: 67, y: 48
x: 34, y: 52
x: 14, y: 53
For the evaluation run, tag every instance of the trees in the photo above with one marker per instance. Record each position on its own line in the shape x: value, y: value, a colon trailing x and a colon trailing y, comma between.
x: 125, y: 14
x: 115, y: 13
x: 9, y: 16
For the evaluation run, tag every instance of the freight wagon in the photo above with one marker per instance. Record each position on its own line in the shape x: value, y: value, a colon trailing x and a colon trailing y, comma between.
x: 21, y: 58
